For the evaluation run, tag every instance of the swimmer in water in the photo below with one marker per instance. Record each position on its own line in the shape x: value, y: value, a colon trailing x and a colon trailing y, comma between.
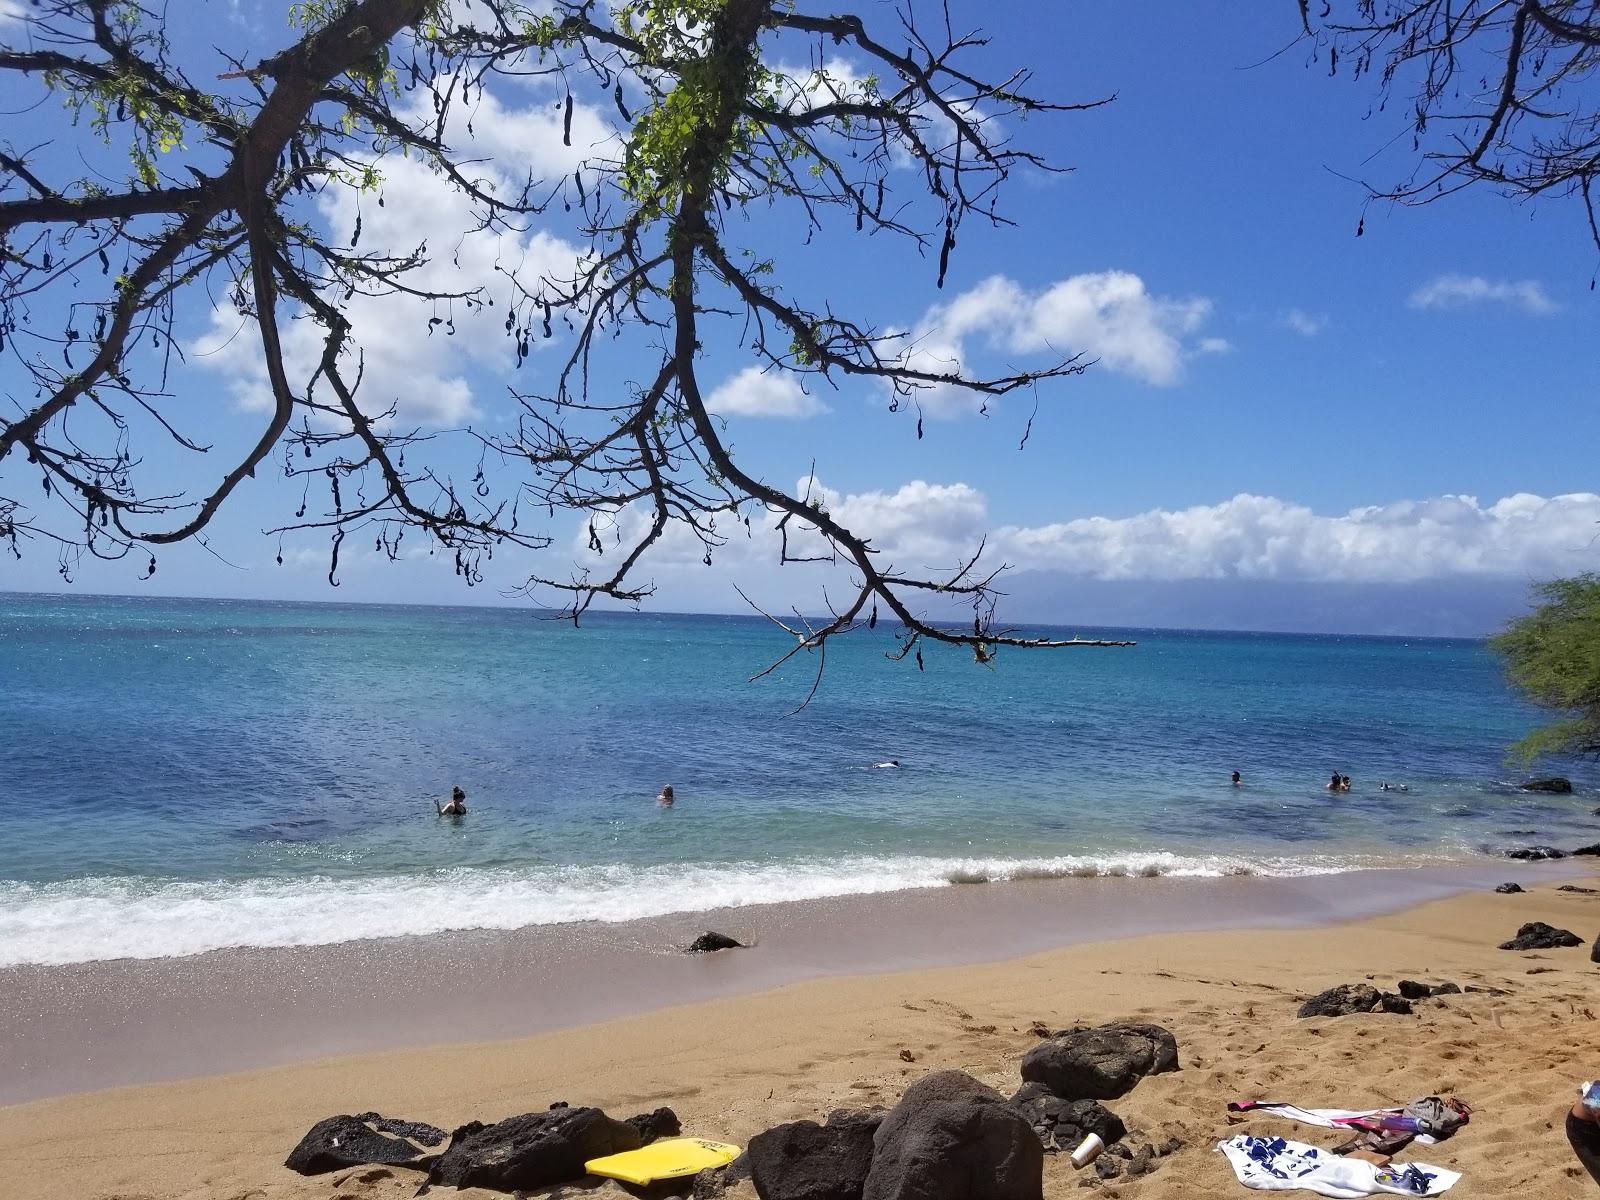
x: 665, y: 798
x: 1238, y: 779
x: 1394, y: 787
x: 457, y: 806
x: 883, y: 766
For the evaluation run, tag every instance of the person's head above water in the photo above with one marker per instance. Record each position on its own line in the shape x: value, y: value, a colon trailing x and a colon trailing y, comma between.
x: 1237, y: 778
x: 457, y: 795
x: 666, y: 795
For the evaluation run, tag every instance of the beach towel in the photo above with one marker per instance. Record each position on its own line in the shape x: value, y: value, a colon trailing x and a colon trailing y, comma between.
x: 1277, y: 1165
x: 1429, y: 1119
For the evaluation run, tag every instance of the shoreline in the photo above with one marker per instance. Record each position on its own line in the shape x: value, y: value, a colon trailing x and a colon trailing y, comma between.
x: 1514, y: 1047
x: 90, y: 1026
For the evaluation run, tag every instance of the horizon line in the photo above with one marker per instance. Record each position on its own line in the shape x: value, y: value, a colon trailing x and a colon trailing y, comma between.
x: 554, y: 615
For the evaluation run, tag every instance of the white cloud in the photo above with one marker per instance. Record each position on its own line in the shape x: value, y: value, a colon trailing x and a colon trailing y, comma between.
x: 530, y: 139
x: 426, y: 371
x: 931, y: 528
x: 757, y: 393
x: 925, y: 526
x: 1108, y: 316
x: 1303, y: 322
x: 1259, y: 537
x: 1213, y: 345
x: 11, y: 10
x: 1460, y: 291
x: 918, y: 525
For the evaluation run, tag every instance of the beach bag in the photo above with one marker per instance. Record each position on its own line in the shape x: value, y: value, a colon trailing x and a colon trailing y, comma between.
x: 1436, y: 1117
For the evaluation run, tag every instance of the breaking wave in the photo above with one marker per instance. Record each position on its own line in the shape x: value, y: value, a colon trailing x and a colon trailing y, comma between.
x: 92, y: 919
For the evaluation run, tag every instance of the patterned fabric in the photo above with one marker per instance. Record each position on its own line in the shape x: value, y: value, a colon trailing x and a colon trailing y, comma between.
x: 1279, y: 1165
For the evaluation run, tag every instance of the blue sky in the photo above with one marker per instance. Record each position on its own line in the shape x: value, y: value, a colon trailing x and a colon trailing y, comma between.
x: 1204, y: 247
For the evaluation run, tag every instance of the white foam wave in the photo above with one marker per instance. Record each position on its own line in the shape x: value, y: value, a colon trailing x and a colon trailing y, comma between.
x: 92, y: 919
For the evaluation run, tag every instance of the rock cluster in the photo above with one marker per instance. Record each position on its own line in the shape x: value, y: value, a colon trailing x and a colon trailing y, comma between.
x: 1412, y: 990
x: 532, y: 1150
x: 1350, y: 998
x: 949, y: 1138
x: 1062, y: 1124
x: 1535, y: 853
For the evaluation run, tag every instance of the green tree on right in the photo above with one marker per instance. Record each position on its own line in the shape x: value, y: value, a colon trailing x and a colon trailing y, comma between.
x: 1552, y: 654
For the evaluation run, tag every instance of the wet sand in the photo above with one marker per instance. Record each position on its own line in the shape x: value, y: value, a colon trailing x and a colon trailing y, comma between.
x: 129, y: 1021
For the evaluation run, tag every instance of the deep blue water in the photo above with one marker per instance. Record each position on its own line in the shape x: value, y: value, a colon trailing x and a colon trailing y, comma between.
x: 181, y: 775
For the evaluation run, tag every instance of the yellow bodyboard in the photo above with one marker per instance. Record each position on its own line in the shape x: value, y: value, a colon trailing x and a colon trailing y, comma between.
x: 670, y: 1158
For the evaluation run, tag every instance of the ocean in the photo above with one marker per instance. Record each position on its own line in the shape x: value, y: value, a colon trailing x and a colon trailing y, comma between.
x: 187, y: 775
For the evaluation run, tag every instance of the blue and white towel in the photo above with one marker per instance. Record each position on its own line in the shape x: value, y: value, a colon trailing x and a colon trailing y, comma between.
x: 1277, y: 1165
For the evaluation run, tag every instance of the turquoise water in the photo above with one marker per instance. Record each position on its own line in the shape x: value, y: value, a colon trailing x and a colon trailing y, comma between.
x: 186, y: 775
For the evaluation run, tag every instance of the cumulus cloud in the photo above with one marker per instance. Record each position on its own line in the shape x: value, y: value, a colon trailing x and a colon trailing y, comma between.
x: 1260, y: 537
x: 1109, y: 316
x: 932, y: 526
x: 918, y: 524
x: 1303, y: 322
x: 1462, y: 291
x: 757, y: 393
x: 427, y: 371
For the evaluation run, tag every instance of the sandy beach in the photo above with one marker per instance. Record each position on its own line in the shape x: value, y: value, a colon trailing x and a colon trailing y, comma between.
x: 734, y: 1065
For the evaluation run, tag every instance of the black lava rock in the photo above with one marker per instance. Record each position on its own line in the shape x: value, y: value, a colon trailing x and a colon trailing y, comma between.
x: 710, y: 941
x: 531, y: 1151
x: 952, y: 1138
x: 1412, y: 990
x: 1536, y: 935
x: 1535, y: 853
x: 1100, y: 1062
x: 806, y: 1161
x: 1342, y: 1001
x: 662, y: 1123
x: 1062, y: 1124
x: 417, y: 1131
x: 1551, y: 783
x: 338, y: 1143
x: 1508, y: 889
x: 714, y: 1182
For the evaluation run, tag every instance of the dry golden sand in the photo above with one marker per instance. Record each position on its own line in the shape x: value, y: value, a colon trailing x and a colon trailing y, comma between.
x: 733, y: 1067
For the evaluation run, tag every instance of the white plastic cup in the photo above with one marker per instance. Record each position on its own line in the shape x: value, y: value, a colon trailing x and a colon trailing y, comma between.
x: 1088, y: 1150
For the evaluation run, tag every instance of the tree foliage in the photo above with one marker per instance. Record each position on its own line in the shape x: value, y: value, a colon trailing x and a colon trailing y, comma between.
x: 1553, y: 655
x: 717, y: 143
x: 1499, y: 93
